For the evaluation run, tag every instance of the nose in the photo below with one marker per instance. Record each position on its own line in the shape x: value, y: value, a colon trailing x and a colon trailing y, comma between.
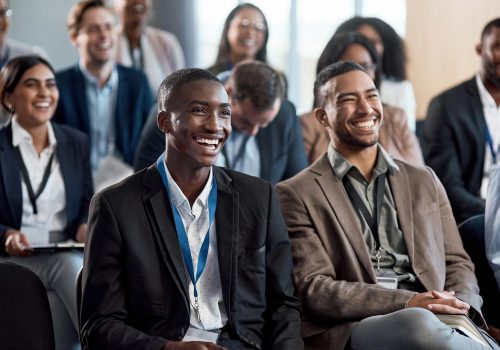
x: 213, y: 123
x: 364, y: 107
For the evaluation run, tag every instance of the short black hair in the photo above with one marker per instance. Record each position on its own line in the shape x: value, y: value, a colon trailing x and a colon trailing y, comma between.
x: 225, y: 48
x: 330, y: 72
x: 13, y: 71
x: 393, y: 61
x: 174, y: 81
x: 494, y: 23
x: 339, y: 43
x: 257, y: 81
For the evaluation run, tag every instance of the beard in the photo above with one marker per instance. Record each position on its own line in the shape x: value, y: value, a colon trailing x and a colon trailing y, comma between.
x: 357, y: 142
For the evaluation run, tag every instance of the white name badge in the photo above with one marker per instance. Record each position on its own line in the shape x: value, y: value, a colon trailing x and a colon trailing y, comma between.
x: 194, y: 334
x: 388, y: 282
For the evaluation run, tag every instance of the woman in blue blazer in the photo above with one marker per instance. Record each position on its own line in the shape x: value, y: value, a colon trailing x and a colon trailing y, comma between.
x: 45, y: 187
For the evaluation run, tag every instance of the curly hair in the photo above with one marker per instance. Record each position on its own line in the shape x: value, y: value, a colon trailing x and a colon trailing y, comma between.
x: 393, y: 60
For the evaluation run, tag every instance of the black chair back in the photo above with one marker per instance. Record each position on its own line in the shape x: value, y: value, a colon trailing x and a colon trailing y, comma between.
x: 25, y: 318
x: 472, y: 233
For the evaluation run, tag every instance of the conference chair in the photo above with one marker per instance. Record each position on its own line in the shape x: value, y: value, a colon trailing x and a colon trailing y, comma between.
x: 25, y: 318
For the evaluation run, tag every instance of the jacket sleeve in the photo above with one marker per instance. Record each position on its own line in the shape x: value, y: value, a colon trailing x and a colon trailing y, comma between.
x: 326, y: 299
x: 282, y: 329
x: 103, y: 318
x: 441, y: 155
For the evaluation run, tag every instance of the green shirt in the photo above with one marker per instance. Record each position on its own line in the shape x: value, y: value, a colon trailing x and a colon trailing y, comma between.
x: 394, y: 261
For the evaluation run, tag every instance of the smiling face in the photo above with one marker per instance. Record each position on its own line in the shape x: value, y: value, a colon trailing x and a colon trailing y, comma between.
x: 246, y: 34
x: 97, y: 36
x: 198, y: 123
x: 35, y: 97
x: 352, y: 112
x: 133, y: 12
x: 489, y: 50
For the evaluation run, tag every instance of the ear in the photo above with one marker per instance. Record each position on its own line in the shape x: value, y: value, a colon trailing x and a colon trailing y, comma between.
x: 321, y: 116
x: 8, y: 102
x: 479, y: 49
x: 229, y: 90
x: 72, y: 39
x: 164, y: 123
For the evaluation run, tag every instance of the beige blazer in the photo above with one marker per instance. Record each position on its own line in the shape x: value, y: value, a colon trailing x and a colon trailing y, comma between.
x: 333, y: 273
x: 395, y: 136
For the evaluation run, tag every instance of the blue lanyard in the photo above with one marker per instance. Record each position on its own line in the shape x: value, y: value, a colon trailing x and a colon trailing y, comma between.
x: 490, y: 144
x: 181, y: 231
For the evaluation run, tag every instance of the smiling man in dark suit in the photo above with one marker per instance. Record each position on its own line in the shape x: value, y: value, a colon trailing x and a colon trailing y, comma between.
x: 462, y: 130
x: 266, y: 140
x: 107, y: 101
x: 185, y: 250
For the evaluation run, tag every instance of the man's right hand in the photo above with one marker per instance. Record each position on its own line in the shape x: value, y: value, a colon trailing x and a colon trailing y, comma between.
x: 192, y: 345
x: 16, y: 242
x: 439, y: 303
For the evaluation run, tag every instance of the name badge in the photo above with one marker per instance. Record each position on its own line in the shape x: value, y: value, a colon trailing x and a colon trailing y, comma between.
x: 388, y: 282
x: 194, y: 334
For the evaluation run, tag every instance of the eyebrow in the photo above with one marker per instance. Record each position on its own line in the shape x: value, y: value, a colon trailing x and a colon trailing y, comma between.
x: 344, y: 94
x: 37, y: 80
x: 205, y: 103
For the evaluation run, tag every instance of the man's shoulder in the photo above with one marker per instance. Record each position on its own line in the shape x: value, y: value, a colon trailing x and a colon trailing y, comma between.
x: 457, y: 93
x: 133, y: 74
x: 66, y: 75
x: 243, y: 183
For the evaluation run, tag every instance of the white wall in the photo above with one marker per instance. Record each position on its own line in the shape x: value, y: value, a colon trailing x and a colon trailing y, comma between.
x: 43, y: 23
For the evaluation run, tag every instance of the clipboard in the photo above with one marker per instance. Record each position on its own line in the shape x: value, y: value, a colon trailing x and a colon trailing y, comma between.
x: 55, y: 247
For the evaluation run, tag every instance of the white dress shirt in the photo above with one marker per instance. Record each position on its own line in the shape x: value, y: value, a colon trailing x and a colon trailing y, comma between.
x: 51, y: 203
x: 492, y: 116
x: 211, y: 304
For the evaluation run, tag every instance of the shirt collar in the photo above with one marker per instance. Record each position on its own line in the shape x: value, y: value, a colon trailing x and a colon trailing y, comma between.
x: 178, y: 196
x: 486, y: 98
x: 111, y: 83
x: 341, y: 166
x: 22, y: 136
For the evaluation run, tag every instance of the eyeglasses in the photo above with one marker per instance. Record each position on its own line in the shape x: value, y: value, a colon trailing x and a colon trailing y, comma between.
x: 368, y: 66
x: 6, y: 12
x: 258, y: 26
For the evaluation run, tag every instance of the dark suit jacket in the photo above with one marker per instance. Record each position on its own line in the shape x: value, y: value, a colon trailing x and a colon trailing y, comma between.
x: 454, y: 146
x: 333, y: 272
x: 72, y: 151
x: 135, y: 284
x: 133, y: 102
x: 280, y: 145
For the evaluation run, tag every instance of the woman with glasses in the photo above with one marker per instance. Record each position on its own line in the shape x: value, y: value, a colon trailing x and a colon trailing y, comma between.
x: 45, y: 187
x: 395, y: 135
x: 244, y: 36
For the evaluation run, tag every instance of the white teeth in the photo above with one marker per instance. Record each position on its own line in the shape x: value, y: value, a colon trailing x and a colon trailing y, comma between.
x: 365, y: 125
x: 42, y: 104
x: 104, y: 45
x: 248, y: 42
x: 139, y: 8
x: 207, y: 141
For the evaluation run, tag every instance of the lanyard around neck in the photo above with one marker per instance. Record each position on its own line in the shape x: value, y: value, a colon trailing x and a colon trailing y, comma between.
x: 181, y: 231
x: 489, y: 141
x: 357, y: 202
x: 24, y: 172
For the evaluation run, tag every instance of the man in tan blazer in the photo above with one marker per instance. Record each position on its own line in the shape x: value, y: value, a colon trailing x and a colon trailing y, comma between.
x: 373, y: 278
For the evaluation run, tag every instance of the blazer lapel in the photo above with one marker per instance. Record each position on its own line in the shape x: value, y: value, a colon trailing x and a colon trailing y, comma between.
x: 476, y: 109
x: 402, y: 195
x: 66, y: 163
x: 227, y: 227
x: 161, y: 212
x: 80, y: 98
x: 342, y: 210
x: 11, y: 176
